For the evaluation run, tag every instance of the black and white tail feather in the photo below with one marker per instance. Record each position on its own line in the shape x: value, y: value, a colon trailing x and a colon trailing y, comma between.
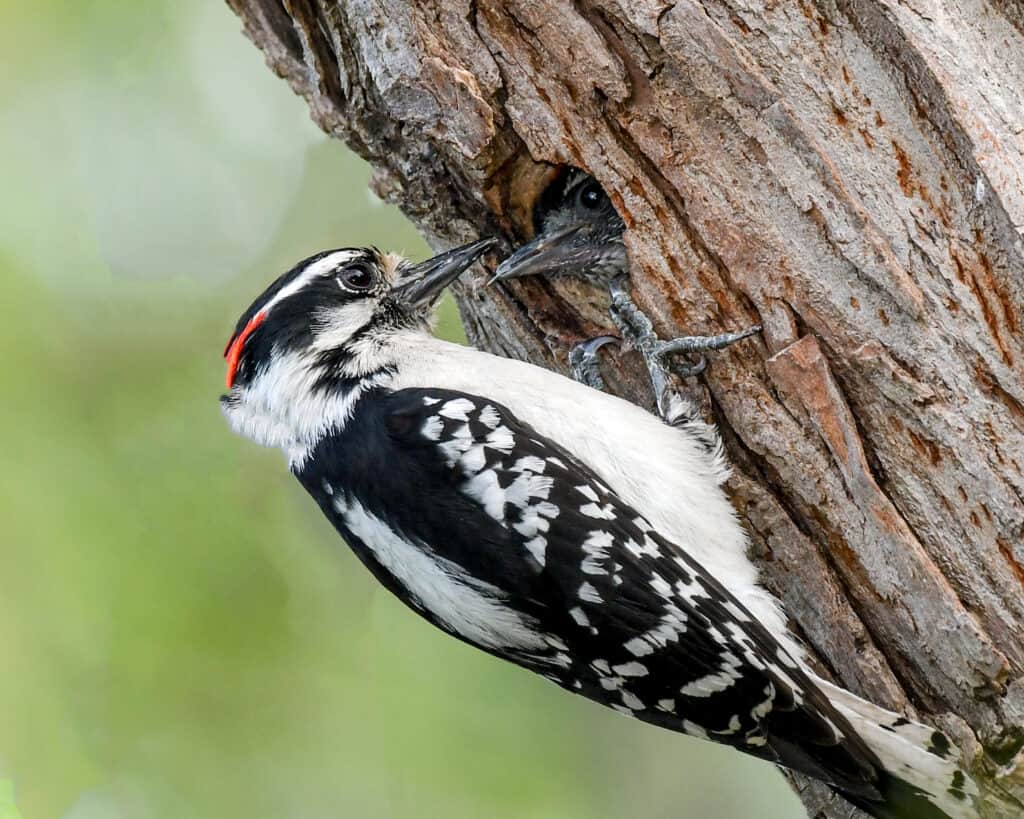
x: 921, y: 760
x: 553, y: 525
x: 925, y: 777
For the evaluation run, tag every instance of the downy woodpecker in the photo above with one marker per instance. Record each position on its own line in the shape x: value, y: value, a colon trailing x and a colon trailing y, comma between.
x: 552, y: 525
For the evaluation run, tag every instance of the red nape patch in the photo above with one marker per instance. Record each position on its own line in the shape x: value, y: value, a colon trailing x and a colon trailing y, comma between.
x: 233, y: 351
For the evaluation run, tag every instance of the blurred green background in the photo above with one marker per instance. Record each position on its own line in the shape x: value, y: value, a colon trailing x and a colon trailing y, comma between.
x: 181, y: 634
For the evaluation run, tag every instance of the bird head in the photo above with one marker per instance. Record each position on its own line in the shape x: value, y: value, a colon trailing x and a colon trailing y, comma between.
x: 323, y: 332
x: 578, y: 232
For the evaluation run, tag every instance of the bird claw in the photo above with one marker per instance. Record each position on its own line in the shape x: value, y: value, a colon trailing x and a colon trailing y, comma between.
x: 690, y: 369
x: 584, y: 361
x: 704, y: 344
x: 699, y: 345
x: 638, y: 333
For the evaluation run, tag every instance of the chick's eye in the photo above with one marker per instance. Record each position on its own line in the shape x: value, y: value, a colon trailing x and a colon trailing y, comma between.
x: 589, y: 196
x: 356, y: 278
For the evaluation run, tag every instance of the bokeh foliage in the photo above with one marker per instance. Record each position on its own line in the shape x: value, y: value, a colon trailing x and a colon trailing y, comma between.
x: 181, y: 635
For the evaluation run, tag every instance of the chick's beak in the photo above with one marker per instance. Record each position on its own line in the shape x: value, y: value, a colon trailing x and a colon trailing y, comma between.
x: 545, y: 254
x: 422, y: 283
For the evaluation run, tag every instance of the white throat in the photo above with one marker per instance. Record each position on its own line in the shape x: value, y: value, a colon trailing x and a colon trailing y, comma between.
x: 283, y: 407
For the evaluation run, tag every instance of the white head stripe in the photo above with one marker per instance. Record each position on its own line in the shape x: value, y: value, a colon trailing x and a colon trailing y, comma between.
x: 317, y: 268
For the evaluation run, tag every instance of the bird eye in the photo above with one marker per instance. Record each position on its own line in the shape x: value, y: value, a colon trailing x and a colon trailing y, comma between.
x: 356, y: 278
x: 590, y: 196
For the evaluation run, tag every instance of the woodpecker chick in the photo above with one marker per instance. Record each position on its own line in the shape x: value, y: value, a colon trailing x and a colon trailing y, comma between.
x: 551, y: 525
x: 579, y: 233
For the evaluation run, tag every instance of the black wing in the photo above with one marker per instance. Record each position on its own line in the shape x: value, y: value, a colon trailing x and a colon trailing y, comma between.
x: 625, y: 617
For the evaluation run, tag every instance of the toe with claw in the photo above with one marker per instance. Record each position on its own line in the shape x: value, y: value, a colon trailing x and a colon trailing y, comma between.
x: 638, y: 332
x: 699, y: 345
x: 584, y: 362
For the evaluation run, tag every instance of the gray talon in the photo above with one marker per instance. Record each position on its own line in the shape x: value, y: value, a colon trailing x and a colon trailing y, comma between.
x: 638, y: 332
x: 691, y: 369
x: 584, y: 361
x: 704, y: 343
x: 699, y: 345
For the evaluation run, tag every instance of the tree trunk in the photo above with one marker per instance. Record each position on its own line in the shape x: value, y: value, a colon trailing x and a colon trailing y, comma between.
x: 848, y: 173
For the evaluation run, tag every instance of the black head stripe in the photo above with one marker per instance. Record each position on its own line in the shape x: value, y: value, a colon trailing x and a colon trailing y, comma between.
x: 289, y: 320
x: 274, y: 288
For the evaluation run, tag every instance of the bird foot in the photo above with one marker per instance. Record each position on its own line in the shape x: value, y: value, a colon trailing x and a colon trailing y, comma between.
x: 584, y: 361
x: 638, y: 333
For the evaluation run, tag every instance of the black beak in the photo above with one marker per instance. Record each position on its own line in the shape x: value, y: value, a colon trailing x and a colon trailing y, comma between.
x: 545, y: 254
x: 422, y: 283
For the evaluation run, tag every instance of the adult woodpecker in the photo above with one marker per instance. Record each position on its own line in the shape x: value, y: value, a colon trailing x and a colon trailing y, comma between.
x: 552, y: 525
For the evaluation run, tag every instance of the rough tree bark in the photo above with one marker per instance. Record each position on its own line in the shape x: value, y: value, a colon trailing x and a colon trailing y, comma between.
x: 850, y: 174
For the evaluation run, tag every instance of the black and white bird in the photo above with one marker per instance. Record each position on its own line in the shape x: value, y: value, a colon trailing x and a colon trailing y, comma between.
x: 552, y: 525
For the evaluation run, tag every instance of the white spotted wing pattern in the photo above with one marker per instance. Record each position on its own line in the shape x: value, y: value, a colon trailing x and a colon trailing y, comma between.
x: 626, y: 618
